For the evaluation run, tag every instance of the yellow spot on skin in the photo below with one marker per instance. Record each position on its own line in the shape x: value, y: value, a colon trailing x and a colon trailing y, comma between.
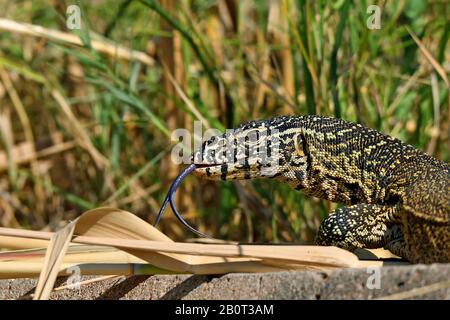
x: 298, y: 148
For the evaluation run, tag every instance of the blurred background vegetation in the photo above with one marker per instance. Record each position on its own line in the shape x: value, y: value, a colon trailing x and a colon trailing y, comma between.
x: 85, y: 122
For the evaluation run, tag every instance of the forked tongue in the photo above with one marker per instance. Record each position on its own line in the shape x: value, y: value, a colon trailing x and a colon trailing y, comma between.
x: 170, y: 199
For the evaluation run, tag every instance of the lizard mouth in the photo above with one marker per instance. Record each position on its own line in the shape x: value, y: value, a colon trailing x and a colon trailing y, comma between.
x: 206, y: 165
x: 208, y: 170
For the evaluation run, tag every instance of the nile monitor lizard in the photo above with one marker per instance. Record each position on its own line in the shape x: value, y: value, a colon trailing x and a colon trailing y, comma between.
x: 395, y: 196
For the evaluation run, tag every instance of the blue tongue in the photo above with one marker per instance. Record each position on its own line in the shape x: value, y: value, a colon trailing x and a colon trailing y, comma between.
x: 170, y: 199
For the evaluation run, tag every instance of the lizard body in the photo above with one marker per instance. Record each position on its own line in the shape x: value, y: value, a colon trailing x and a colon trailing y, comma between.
x: 395, y: 196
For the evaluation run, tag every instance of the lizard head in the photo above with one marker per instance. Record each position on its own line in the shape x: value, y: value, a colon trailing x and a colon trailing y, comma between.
x: 263, y: 148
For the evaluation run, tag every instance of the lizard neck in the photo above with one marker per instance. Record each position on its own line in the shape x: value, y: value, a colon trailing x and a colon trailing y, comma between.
x: 333, y: 182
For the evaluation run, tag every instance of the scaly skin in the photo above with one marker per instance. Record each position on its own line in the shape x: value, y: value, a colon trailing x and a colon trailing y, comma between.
x: 395, y: 196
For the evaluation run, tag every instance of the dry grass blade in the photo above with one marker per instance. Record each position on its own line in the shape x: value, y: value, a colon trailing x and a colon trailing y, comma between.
x: 271, y: 87
x: 95, y: 260
x: 321, y: 256
x: 402, y: 91
x: 23, y: 153
x: 16, y: 155
x: 7, y: 159
x: 185, y: 99
x: 121, y: 229
x: 21, y: 243
x: 87, y: 259
x: 20, y: 109
x: 439, y: 69
x: 53, y: 260
x: 104, y: 46
x: 435, y: 130
x: 78, y: 131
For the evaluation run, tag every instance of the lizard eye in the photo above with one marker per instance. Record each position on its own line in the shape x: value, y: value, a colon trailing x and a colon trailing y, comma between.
x: 300, y: 145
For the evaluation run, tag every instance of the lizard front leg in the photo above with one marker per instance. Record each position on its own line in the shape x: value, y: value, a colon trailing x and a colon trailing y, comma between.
x: 361, y: 226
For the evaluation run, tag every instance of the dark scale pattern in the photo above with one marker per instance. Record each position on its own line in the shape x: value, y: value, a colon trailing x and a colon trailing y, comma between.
x: 395, y: 196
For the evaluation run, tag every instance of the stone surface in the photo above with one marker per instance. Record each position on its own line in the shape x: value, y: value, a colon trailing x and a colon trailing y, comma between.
x: 415, y: 281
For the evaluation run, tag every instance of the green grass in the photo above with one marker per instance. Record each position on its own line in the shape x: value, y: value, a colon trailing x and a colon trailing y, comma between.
x: 234, y: 64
